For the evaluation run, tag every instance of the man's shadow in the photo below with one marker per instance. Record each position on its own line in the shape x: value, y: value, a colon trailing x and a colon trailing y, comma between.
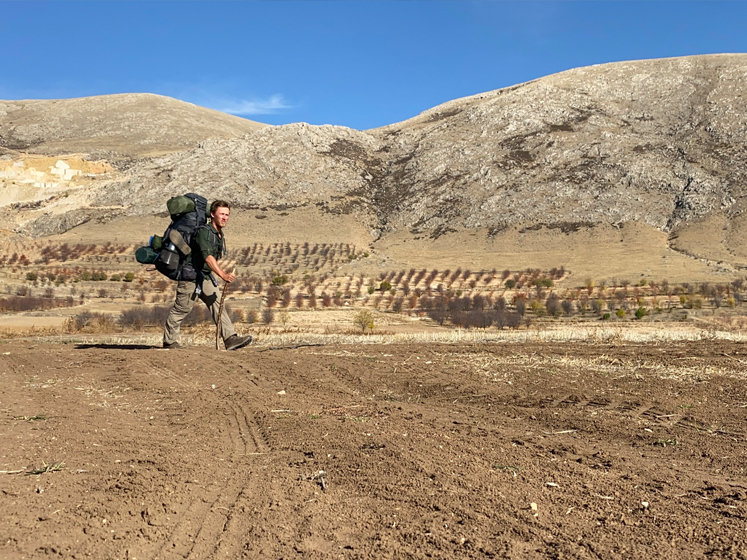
x: 116, y: 346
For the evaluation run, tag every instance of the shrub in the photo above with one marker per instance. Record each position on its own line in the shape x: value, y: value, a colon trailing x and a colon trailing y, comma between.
x: 620, y: 313
x: 29, y: 303
x: 606, y: 316
x: 567, y: 306
x: 553, y: 305
x: 286, y: 298
x: 479, y: 319
x: 640, y: 313
x: 597, y: 305
x: 279, y: 280
x: 129, y: 277
x: 326, y: 300
x: 385, y: 286
x: 365, y: 320
x: 32, y: 277
x: 268, y: 315
x: 236, y: 316
x: 90, y: 322
x: 521, y: 307
x: 138, y: 317
x: 251, y: 316
x: 115, y: 278
x: 458, y: 318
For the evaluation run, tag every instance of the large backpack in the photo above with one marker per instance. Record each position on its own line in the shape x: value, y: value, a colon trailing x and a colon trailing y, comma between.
x: 169, y: 253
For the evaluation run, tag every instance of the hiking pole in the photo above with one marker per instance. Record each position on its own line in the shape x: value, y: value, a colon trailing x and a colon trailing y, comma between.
x: 220, y: 315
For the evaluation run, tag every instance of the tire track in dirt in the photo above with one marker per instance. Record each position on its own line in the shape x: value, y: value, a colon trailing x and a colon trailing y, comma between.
x: 205, y: 527
x: 645, y: 410
x: 177, y: 380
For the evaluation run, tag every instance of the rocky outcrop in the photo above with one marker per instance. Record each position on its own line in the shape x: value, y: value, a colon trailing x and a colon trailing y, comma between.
x: 657, y: 141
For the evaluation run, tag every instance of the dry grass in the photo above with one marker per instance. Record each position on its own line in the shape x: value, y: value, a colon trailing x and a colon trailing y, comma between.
x: 47, y: 468
x: 266, y: 338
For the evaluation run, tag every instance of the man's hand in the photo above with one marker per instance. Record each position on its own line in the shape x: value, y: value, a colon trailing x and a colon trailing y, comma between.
x: 227, y: 265
x: 215, y: 267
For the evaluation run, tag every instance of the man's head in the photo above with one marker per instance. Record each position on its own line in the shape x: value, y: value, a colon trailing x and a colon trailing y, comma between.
x: 219, y: 212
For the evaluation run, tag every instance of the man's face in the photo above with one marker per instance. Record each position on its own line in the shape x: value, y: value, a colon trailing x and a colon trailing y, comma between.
x: 220, y: 216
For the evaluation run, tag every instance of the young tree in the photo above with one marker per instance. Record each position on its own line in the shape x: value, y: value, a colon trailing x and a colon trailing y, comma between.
x: 365, y: 320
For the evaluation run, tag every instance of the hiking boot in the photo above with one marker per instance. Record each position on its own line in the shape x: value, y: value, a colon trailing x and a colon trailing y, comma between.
x: 172, y: 345
x: 234, y: 342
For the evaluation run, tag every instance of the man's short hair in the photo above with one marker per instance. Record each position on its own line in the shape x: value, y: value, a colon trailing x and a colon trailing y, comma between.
x: 218, y: 204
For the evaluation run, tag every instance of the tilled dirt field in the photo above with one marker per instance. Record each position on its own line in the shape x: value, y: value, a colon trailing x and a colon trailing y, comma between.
x: 374, y: 451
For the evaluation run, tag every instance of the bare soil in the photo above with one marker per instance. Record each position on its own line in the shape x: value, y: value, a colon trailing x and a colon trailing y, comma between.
x: 374, y: 451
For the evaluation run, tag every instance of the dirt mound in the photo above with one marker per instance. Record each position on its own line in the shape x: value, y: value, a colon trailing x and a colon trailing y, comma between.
x: 458, y: 451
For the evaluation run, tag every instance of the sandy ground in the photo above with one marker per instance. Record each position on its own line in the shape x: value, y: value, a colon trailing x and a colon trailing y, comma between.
x: 374, y: 451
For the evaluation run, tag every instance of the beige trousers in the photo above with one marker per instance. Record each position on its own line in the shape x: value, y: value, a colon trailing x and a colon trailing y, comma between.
x: 186, y: 297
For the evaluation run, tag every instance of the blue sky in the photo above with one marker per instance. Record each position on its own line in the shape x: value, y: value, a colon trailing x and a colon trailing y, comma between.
x: 358, y: 64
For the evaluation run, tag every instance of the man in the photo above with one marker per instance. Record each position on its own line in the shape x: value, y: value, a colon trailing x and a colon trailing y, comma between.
x: 208, y: 246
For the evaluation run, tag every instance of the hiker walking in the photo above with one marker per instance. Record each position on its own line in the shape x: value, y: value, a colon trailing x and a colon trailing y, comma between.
x: 208, y: 246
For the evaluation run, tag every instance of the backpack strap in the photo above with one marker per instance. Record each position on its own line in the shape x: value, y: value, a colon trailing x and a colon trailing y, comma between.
x: 220, y: 242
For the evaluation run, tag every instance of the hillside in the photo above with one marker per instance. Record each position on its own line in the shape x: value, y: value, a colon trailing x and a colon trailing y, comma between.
x: 657, y: 145
x: 113, y: 126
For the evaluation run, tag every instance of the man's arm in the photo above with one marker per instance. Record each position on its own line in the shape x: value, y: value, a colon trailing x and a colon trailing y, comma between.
x: 215, y: 267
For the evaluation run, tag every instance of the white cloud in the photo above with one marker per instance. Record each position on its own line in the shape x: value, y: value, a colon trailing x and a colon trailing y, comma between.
x: 271, y: 105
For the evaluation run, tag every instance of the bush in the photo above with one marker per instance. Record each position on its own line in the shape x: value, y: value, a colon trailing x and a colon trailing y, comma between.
x: 30, y: 303
x: 326, y: 300
x: 365, y: 320
x: 620, y: 313
x: 236, y: 316
x: 479, y: 319
x: 32, y: 277
x: 553, y: 305
x: 268, y: 315
x: 606, y: 316
x: 129, y: 277
x: 510, y: 284
x: 640, y: 313
x: 597, y: 305
x: 567, y: 306
x: 141, y: 316
x: 251, y: 316
x: 543, y: 283
x: 385, y: 286
x: 115, y: 278
x: 521, y: 307
x: 89, y: 322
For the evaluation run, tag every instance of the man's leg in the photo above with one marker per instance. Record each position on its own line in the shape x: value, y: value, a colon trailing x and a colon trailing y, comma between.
x: 185, y: 300
x: 211, y: 296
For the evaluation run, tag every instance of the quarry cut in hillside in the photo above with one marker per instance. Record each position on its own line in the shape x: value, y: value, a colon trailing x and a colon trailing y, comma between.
x: 656, y: 142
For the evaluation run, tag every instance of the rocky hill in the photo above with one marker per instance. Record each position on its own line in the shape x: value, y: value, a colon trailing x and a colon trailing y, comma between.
x: 113, y: 126
x: 658, y: 143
